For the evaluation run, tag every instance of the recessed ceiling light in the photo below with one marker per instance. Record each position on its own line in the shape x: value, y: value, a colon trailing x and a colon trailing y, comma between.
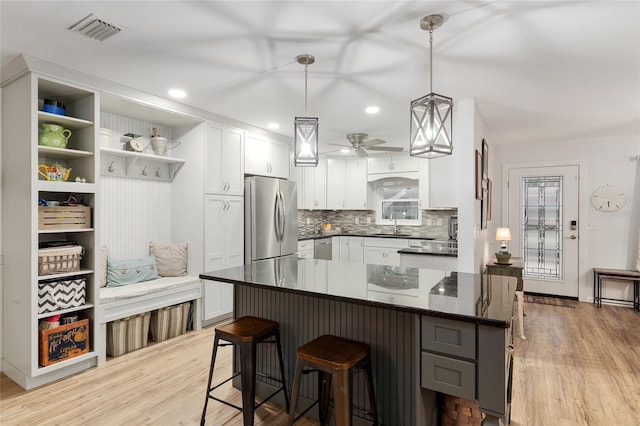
x: 345, y: 150
x: 372, y: 109
x: 273, y: 126
x: 177, y: 93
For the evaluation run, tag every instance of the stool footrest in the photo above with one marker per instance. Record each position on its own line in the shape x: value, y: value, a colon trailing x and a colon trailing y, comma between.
x: 222, y: 383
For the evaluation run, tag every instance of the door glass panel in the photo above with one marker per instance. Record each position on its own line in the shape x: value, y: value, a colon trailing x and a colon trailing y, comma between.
x: 542, y: 227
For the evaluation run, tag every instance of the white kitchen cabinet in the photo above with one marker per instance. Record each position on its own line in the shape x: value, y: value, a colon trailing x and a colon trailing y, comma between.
x: 305, y: 249
x: 443, y: 182
x: 383, y: 251
x: 347, y: 184
x: 312, y: 185
x: 265, y: 157
x: 23, y: 231
x: 223, y: 248
x: 356, y: 184
x: 389, y: 164
x: 351, y: 249
x: 423, y: 185
x: 224, y: 165
x: 336, y: 188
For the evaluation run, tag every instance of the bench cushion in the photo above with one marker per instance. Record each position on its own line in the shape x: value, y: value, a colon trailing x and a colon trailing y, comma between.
x: 115, y: 294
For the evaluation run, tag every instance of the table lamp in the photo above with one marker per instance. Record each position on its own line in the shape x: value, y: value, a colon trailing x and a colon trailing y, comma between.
x: 504, y: 235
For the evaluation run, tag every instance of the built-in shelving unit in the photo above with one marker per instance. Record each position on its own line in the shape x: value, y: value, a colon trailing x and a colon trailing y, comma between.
x: 22, y: 236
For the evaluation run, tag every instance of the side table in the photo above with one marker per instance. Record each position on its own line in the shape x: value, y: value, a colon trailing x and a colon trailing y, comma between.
x: 512, y: 270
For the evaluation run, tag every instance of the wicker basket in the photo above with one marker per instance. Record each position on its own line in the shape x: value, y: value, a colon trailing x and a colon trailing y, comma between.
x: 56, y: 260
x: 64, y: 217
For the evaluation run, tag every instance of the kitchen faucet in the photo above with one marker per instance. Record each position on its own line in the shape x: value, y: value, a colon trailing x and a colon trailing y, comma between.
x: 395, y: 225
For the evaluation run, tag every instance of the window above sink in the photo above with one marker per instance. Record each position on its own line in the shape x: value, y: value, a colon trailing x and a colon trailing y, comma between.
x: 397, y: 201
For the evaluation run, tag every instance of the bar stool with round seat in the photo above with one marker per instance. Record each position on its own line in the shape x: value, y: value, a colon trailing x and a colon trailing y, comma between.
x: 246, y: 333
x: 335, y: 359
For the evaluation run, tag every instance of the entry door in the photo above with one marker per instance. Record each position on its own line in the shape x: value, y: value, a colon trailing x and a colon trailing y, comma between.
x: 543, y: 217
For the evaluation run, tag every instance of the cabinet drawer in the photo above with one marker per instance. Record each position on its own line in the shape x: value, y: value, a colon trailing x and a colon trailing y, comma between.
x: 449, y: 337
x: 447, y: 375
x: 305, y: 254
x: 305, y: 245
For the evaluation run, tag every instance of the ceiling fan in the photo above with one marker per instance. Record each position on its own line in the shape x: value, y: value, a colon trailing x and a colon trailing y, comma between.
x: 360, y: 144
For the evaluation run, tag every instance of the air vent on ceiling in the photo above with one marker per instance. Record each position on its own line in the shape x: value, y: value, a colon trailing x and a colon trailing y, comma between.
x: 95, y: 28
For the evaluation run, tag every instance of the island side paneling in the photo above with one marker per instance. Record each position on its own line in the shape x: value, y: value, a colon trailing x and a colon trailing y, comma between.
x: 390, y: 333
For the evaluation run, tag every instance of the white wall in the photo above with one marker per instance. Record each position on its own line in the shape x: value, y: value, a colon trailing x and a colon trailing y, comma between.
x: 1, y: 251
x: 607, y: 240
x: 469, y: 130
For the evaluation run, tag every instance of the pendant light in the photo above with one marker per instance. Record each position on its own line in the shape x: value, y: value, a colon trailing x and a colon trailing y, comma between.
x: 305, y: 128
x: 432, y: 114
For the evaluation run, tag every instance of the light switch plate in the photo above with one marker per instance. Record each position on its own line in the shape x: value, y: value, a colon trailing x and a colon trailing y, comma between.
x: 357, y: 221
x: 368, y: 221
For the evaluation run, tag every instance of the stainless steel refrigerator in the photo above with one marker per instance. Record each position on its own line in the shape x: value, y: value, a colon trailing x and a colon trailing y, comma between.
x: 270, y: 218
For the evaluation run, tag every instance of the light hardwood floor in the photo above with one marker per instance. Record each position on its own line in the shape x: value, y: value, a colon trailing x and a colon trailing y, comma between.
x: 577, y: 367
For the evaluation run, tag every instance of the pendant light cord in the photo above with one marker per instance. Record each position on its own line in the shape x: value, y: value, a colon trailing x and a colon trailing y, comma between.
x: 431, y: 58
x: 306, y: 69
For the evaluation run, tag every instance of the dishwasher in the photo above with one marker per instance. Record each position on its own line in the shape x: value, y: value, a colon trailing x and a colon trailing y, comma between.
x: 322, y: 248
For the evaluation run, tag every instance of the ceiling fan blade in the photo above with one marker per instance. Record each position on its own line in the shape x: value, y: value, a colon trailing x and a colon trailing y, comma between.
x: 386, y: 148
x: 361, y: 152
x: 340, y: 144
x: 372, y: 142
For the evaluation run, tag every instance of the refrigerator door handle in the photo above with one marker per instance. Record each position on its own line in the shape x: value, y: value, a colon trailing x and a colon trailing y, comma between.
x: 280, y: 216
x: 283, y: 212
x: 277, y: 217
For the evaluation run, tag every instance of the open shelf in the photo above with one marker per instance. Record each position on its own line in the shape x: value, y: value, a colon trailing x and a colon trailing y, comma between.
x: 62, y: 153
x: 65, y: 275
x: 66, y: 311
x: 133, y: 159
x: 67, y: 122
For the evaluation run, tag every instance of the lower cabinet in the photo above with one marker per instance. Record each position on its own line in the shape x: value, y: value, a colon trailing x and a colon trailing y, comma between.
x: 305, y: 249
x: 468, y: 360
x: 351, y: 249
x: 223, y: 248
x: 383, y: 251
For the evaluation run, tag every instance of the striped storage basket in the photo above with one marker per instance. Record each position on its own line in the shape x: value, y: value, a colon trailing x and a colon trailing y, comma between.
x: 55, y: 295
x: 128, y: 334
x: 169, y: 322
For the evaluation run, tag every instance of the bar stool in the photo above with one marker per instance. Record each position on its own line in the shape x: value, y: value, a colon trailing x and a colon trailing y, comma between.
x: 334, y: 358
x: 246, y: 333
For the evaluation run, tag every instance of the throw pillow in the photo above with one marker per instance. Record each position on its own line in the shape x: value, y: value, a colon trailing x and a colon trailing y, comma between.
x: 171, y: 258
x: 123, y: 272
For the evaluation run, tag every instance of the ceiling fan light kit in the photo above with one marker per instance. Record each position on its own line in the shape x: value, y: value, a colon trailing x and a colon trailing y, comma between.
x: 305, y: 128
x: 431, y: 125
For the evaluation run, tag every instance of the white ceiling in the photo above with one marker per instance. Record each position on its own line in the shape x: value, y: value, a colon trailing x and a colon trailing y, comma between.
x: 539, y: 70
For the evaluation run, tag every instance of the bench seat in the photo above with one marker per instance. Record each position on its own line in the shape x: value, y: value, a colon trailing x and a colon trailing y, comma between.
x: 133, y: 299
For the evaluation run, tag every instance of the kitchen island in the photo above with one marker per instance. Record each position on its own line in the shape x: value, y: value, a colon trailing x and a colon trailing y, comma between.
x: 429, y: 330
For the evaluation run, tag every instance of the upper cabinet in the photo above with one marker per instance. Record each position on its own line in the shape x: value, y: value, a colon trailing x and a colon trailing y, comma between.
x: 392, y: 164
x: 312, y: 185
x: 443, y: 183
x: 347, y: 184
x: 266, y: 157
x: 224, y: 149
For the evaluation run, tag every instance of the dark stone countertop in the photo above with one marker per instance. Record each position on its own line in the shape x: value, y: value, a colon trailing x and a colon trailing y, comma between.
x: 483, y: 299
x: 431, y: 251
x: 364, y: 234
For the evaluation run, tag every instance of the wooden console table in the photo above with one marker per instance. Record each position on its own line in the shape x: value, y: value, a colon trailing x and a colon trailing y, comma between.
x: 512, y: 270
x: 615, y: 274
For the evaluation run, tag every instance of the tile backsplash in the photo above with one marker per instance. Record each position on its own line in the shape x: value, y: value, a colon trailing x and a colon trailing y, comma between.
x: 346, y: 219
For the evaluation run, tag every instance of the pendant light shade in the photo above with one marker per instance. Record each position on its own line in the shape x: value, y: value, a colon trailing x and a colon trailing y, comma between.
x: 305, y: 138
x: 431, y: 124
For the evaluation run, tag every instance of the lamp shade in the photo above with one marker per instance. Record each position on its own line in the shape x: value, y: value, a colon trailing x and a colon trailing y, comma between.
x: 306, y: 141
x: 431, y: 126
x: 503, y: 234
